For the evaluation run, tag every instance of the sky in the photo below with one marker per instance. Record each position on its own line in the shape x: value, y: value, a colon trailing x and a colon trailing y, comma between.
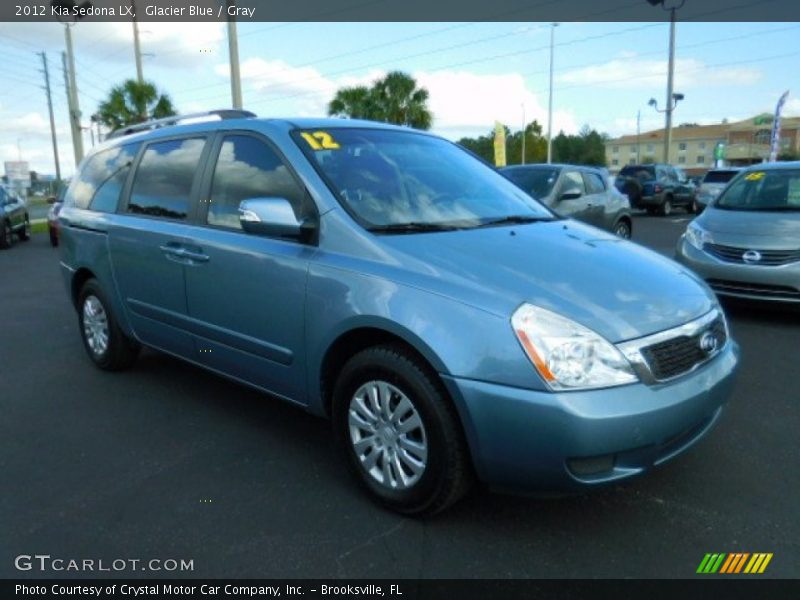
x: 476, y: 73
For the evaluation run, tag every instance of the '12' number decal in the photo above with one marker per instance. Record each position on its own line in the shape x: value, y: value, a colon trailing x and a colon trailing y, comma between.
x: 320, y: 140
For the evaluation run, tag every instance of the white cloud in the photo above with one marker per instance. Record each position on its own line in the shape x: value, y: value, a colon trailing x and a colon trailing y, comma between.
x: 637, y: 73
x: 792, y: 107
x: 462, y: 102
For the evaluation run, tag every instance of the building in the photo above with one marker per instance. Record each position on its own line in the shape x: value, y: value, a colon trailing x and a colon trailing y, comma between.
x: 692, y: 149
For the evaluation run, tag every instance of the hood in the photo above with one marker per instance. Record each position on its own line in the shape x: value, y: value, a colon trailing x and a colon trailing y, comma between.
x: 776, y: 229
x: 617, y: 288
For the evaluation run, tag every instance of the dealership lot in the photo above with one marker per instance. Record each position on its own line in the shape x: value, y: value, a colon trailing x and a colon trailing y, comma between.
x: 166, y: 461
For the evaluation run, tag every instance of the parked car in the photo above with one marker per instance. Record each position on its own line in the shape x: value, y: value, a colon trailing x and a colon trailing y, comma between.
x: 13, y: 218
x: 57, y: 203
x: 713, y: 183
x: 577, y: 192
x: 746, y: 244
x: 657, y: 188
x: 448, y: 324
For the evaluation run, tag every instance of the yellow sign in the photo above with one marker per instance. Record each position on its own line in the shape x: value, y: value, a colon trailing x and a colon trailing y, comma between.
x: 320, y: 140
x: 499, y: 145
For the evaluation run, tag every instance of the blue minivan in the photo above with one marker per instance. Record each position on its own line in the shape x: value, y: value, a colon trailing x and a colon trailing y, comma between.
x: 451, y: 327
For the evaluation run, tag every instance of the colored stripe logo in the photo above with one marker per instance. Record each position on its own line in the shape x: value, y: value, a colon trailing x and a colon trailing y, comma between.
x: 735, y: 562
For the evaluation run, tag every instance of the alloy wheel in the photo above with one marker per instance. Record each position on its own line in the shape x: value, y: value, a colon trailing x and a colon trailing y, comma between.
x: 95, y: 325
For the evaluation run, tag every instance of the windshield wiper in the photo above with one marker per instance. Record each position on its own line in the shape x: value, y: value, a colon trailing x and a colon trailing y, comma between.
x: 413, y: 227
x: 516, y: 220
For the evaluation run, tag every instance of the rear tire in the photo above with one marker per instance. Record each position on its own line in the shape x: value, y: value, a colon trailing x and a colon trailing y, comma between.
x: 25, y: 232
x: 106, y: 345
x: 400, y: 434
x: 6, y: 236
x: 665, y: 209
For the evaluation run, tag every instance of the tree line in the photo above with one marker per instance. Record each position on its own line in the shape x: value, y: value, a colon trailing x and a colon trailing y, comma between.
x: 395, y: 98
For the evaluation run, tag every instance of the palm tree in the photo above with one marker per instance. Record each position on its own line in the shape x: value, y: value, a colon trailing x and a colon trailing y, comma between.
x: 134, y: 102
x: 402, y: 102
x: 354, y: 103
x: 393, y: 99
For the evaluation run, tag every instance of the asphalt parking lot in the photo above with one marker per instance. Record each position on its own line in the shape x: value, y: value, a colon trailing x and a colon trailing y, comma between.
x: 168, y: 461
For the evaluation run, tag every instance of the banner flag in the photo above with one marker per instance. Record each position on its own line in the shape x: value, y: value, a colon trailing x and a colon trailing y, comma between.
x: 775, y: 140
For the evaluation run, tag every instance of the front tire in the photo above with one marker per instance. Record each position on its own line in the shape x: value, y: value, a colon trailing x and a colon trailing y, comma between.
x: 106, y: 345
x: 400, y: 434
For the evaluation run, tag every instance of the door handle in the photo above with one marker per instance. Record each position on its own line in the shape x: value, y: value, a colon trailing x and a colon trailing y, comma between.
x: 178, y: 251
x: 194, y: 256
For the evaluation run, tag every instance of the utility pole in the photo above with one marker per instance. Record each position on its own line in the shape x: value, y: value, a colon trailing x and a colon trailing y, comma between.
x: 233, y: 53
x: 550, y: 99
x: 670, y: 77
x: 137, y: 50
x: 638, y: 134
x: 522, y: 161
x: 52, y: 119
x: 72, y: 96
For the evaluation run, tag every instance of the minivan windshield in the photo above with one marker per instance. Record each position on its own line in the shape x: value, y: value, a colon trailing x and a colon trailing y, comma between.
x: 767, y: 190
x: 401, y: 181
x: 538, y: 182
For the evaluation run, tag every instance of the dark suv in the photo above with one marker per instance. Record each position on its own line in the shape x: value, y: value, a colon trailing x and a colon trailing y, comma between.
x: 13, y: 218
x: 656, y: 188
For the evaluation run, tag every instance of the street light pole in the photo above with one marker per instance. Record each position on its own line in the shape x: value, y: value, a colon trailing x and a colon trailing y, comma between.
x: 233, y: 52
x: 550, y: 99
x: 638, y: 137
x: 670, y: 78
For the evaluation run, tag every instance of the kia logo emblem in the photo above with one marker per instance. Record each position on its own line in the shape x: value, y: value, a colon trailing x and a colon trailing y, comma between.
x: 751, y: 256
x: 708, y: 343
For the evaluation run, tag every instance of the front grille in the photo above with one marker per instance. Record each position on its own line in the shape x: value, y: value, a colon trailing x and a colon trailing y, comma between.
x: 769, y: 258
x: 678, y: 355
x: 762, y: 290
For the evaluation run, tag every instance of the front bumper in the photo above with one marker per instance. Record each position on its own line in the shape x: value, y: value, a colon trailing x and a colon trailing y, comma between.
x: 748, y: 282
x: 527, y: 441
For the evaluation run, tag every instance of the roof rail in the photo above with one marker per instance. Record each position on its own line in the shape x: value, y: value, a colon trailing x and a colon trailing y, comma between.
x: 227, y: 113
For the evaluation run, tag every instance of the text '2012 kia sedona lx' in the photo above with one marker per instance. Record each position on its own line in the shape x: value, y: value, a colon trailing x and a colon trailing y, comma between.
x: 450, y: 326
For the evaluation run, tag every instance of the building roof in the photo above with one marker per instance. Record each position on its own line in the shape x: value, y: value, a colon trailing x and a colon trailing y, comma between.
x: 704, y: 132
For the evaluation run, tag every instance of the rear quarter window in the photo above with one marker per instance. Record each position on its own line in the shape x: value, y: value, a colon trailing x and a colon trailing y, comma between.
x: 99, y: 184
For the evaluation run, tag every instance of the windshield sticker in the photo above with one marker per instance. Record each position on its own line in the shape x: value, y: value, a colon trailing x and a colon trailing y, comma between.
x: 757, y: 176
x: 320, y: 140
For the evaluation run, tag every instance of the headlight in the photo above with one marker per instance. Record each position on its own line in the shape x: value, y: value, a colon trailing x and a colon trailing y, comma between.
x: 566, y: 354
x: 696, y: 235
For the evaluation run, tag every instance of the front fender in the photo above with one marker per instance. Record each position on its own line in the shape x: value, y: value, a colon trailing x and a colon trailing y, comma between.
x: 457, y: 339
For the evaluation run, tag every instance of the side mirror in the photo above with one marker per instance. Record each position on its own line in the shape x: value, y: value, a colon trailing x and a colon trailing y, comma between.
x: 570, y: 195
x: 272, y: 217
x: 51, y: 199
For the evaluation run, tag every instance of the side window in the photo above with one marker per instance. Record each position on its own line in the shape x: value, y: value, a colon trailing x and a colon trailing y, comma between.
x: 248, y: 168
x: 99, y: 184
x: 594, y: 183
x: 163, y: 181
x: 572, y: 182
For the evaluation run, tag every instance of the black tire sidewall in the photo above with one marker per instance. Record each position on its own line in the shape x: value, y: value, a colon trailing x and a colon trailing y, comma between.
x: 6, y: 235
x: 383, y: 364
